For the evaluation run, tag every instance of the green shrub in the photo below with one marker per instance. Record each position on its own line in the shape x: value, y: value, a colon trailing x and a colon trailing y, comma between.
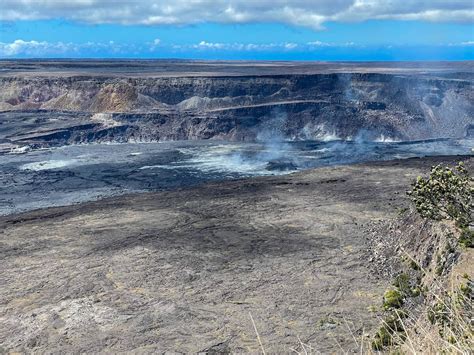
x: 466, y: 290
x: 390, y: 332
x: 402, y: 283
x: 439, y: 313
x: 446, y: 194
x: 392, y: 299
x: 382, y: 339
x: 453, y: 315
x: 467, y: 238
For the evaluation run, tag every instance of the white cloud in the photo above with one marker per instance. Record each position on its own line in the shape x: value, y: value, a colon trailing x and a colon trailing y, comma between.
x: 32, y: 48
x: 309, y: 13
x: 20, y: 48
x: 155, y: 44
x: 290, y: 45
x: 462, y: 44
x: 209, y: 45
x: 329, y: 44
x: 318, y: 44
x: 203, y: 45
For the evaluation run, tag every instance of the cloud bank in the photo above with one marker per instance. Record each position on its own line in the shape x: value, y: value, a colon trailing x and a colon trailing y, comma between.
x: 308, y: 13
x: 33, y: 48
x: 21, y: 48
x: 156, y: 49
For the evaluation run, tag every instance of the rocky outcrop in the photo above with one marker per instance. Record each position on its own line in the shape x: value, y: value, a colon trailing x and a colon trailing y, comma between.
x: 298, y: 106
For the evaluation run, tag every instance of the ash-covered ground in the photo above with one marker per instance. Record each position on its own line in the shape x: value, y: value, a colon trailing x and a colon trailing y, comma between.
x: 187, y: 270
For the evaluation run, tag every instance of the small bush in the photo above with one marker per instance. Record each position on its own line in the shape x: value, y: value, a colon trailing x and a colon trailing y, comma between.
x: 391, y: 331
x: 402, y: 283
x: 414, y: 265
x: 392, y: 299
x: 446, y: 194
x: 438, y: 313
x: 466, y: 290
x: 453, y: 315
x: 467, y: 238
x: 382, y: 338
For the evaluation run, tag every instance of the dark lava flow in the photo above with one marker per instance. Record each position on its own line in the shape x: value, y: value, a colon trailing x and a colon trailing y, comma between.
x: 72, y: 174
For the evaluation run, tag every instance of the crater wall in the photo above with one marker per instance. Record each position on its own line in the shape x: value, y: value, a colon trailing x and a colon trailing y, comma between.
x: 60, y: 109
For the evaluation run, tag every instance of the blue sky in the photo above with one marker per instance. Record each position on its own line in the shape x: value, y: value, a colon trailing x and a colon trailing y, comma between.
x: 203, y: 29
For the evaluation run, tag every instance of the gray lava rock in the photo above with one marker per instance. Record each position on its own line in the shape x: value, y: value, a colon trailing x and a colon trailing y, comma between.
x: 281, y: 165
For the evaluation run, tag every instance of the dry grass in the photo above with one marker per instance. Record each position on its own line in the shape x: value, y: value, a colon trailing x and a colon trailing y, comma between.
x: 448, y: 299
x: 448, y: 302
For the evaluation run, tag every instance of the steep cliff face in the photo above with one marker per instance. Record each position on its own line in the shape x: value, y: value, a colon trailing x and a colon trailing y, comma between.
x: 298, y: 106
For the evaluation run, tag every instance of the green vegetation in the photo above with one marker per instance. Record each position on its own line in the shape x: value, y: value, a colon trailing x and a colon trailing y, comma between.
x: 402, y: 210
x: 446, y: 194
x: 391, y: 332
x: 402, y: 282
x: 411, y: 263
x: 438, y: 313
x: 466, y: 289
x: 382, y: 338
x: 407, y: 286
x: 467, y: 238
x: 414, y: 265
x: 327, y: 322
x: 392, y: 299
x: 452, y: 313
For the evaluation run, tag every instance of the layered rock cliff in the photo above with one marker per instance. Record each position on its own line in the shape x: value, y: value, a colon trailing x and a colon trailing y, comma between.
x: 61, y: 109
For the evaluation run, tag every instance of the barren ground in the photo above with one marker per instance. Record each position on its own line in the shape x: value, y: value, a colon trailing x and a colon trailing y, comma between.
x: 184, y: 270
